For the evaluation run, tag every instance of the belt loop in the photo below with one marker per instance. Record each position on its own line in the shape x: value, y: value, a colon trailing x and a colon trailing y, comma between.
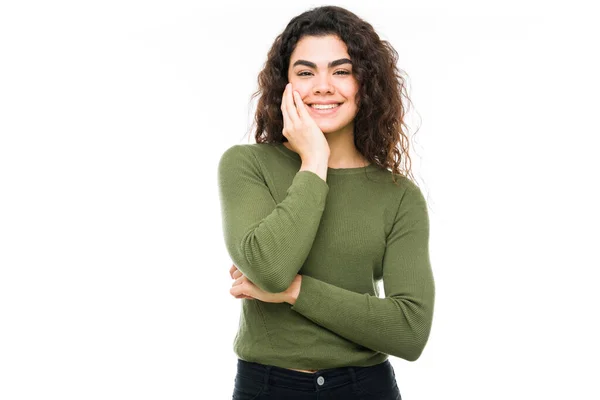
x: 352, y: 374
x: 266, y: 383
x: 354, y: 380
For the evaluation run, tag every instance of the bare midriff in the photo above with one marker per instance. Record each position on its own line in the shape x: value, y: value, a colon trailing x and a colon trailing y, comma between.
x: 309, y: 371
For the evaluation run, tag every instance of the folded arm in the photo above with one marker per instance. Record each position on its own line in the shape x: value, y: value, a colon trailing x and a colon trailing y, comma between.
x: 267, y: 241
x: 400, y: 323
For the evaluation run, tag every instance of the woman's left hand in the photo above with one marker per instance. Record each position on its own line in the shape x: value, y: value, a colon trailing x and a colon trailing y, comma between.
x: 243, y: 288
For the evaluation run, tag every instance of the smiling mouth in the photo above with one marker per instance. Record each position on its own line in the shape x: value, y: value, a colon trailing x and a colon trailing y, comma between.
x: 321, y: 107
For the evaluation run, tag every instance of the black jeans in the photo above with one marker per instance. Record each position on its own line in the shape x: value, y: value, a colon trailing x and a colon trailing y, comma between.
x: 255, y: 381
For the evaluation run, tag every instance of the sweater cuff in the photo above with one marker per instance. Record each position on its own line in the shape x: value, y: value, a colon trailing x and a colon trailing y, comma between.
x: 312, y: 185
x: 309, y: 296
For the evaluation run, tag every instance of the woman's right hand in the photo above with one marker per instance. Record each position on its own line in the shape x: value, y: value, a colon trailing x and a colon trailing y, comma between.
x: 300, y: 129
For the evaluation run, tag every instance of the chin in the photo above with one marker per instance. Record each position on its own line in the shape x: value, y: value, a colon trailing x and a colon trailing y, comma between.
x: 329, y: 128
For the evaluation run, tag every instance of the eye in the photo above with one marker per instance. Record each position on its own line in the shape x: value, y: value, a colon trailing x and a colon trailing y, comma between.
x: 342, y: 72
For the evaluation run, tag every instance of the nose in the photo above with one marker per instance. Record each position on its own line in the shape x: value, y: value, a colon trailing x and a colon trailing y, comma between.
x: 322, y: 84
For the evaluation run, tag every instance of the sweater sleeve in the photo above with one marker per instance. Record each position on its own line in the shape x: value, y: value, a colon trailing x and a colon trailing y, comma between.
x: 398, y: 324
x: 268, y: 242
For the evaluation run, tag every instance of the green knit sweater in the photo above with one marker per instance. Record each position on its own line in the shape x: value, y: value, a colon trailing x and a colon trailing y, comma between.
x: 343, y: 236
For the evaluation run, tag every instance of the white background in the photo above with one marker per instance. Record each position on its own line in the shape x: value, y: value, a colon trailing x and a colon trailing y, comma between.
x: 114, y: 276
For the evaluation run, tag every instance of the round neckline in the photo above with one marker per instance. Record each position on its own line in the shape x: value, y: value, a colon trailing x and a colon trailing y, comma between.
x: 330, y: 171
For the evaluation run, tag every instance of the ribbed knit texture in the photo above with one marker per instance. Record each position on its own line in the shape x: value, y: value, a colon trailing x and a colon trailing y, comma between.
x: 342, y: 235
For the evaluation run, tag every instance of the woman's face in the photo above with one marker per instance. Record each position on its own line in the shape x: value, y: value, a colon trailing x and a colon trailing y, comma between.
x: 321, y: 71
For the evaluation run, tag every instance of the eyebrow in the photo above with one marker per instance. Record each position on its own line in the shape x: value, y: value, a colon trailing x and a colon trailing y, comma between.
x: 330, y: 65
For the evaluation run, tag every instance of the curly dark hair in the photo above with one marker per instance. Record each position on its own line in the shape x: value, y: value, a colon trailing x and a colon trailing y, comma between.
x: 379, y: 123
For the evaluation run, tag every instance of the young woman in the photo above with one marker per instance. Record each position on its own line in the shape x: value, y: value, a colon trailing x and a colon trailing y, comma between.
x: 317, y: 212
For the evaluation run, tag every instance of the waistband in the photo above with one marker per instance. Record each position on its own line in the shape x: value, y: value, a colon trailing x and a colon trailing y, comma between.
x: 304, y: 381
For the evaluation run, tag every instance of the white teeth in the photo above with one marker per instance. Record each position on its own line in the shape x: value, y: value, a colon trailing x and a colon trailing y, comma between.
x: 324, y: 106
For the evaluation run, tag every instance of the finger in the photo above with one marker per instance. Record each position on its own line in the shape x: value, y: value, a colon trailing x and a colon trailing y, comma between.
x: 237, y: 274
x: 287, y: 123
x: 239, y: 290
x: 300, y: 106
x: 231, y: 270
x: 291, y: 107
x: 238, y: 281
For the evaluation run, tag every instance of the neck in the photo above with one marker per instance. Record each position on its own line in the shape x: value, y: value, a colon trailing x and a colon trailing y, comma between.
x: 343, y: 153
